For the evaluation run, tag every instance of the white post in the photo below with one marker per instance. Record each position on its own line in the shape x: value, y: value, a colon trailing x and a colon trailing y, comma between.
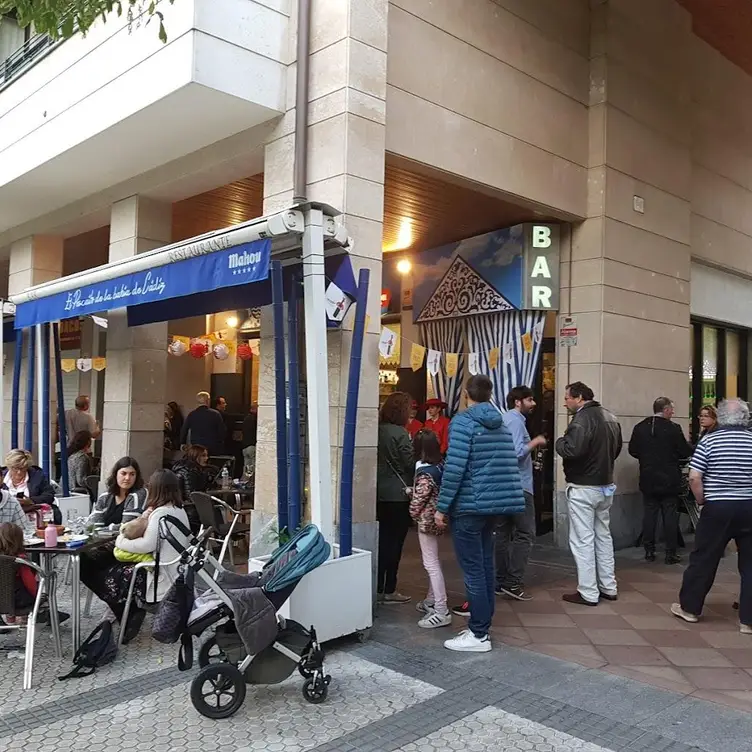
x: 40, y: 393
x: 317, y: 373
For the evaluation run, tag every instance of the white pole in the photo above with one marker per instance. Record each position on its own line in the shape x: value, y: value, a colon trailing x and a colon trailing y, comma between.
x: 40, y: 393
x: 317, y: 373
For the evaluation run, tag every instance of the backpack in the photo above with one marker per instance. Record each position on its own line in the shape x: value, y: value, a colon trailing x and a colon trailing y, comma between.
x: 98, y: 649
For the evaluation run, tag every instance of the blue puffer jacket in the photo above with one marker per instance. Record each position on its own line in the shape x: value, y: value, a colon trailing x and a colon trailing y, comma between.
x: 481, y: 474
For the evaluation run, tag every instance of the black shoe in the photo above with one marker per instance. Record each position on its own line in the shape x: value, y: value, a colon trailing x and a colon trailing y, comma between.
x: 607, y: 597
x: 44, y: 617
x: 517, y: 592
x: 735, y: 605
x: 578, y: 599
x: 672, y: 557
x: 463, y: 610
x: 133, y: 627
x: 649, y: 554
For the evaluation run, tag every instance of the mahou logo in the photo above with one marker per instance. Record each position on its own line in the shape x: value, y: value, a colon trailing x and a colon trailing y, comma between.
x: 242, y: 260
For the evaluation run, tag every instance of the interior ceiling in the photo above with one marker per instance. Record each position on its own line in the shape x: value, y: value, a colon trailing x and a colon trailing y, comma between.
x: 725, y: 25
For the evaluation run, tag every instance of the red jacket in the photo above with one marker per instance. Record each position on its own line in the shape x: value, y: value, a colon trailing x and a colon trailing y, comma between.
x: 413, y: 426
x: 440, y: 427
x: 28, y: 578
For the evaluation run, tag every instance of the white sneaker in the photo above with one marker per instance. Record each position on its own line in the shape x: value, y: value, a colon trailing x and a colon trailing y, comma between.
x: 679, y: 612
x: 424, y: 607
x: 432, y: 620
x: 467, y: 642
x: 745, y: 628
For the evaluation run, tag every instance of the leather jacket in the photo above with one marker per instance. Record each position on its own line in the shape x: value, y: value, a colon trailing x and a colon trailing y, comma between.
x: 590, y: 446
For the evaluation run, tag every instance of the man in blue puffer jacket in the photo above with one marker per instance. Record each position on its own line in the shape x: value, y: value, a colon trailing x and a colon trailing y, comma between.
x: 481, y: 481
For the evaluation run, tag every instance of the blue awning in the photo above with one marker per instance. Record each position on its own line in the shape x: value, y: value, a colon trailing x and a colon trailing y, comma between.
x: 338, y: 269
x: 163, y: 285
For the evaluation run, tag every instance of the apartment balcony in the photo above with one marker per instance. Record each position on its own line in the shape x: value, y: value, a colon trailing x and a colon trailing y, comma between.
x: 88, y: 113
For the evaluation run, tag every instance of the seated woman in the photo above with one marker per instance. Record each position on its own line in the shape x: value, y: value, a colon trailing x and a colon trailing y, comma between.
x: 193, y: 476
x: 28, y: 482
x: 79, y: 461
x: 125, y: 496
x: 109, y: 579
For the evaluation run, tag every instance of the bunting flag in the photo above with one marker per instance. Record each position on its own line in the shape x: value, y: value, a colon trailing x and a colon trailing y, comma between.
x: 417, y: 354
x: 99, y: 364
x: 493, y: 358
x: 433, y: 363
x: 84, y: 365
x: 508, y: 353
x: 538, y: 331
x: 473, y: 364
x: 527, y: 342
x: 68, y: 364
x: 387, y: 342
x: 452, y: 362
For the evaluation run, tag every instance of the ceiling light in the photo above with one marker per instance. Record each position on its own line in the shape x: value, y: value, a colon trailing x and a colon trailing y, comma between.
x: 232, y: 322
x: 404, y: 266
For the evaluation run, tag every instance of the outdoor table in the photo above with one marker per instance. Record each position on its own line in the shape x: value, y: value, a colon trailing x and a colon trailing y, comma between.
x: 229, y: 494
x: 47, y: 556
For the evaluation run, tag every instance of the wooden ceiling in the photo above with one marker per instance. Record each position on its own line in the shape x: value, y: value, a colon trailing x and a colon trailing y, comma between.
x: 725, y: 25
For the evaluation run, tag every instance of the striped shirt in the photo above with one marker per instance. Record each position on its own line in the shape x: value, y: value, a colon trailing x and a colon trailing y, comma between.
x: 724, y: 458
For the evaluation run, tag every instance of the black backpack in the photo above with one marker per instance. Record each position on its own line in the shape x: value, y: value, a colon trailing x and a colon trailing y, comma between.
x: 98, y: 649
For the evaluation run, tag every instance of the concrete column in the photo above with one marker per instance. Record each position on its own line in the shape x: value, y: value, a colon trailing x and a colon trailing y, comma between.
x: 627, y: 280
x: 135, y: 381
x: 345, y: 169
x: 33, y: 260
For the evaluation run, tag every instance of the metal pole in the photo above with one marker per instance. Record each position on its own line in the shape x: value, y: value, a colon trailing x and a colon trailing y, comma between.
x: 280, y: 394
x: 293, y: 375
x: 351, y: 418
x: 317, y: 372
x: 48, y: 464
x: 43, y: 460
x: 61, y: 410
x: 302, y: 79
x: 16, y: 396
x: 2, y: 379
x: 29, y: 416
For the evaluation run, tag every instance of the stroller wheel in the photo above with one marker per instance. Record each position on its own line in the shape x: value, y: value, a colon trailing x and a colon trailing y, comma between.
x: 210, y: 653
x: 315, y: 689
x: 218, y: 691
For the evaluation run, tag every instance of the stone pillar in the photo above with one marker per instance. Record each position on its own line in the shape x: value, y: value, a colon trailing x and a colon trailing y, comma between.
x: 33, y: 261
x: 627, y: 280
x: 346, y: 170
x: 135, y: 380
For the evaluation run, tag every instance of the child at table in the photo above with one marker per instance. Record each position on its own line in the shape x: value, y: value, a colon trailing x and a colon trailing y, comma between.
x: 25, y: 588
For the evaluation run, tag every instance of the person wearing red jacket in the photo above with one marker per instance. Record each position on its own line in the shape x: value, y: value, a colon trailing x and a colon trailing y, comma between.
x: 413, y: 425
x: 437, y: 422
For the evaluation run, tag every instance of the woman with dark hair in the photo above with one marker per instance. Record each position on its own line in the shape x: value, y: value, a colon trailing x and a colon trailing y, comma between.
x: 394, y: 480
x: 193, y: 475
x: 708, y: 418
x: 109, y: 579
x: 125, y: 496
x: 176, y: 423
x: 79, y: 461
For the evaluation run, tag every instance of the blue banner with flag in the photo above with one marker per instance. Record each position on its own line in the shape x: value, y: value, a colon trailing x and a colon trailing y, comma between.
x: 240, y: 265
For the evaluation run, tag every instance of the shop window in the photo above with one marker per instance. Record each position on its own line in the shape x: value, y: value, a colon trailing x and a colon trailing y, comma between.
x: 732, y: 364
x: 709, y: 365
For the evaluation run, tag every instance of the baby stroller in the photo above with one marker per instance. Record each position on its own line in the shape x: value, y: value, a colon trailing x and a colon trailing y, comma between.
x: 251, y: 643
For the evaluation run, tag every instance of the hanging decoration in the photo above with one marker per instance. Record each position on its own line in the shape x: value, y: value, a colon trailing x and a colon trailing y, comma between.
x: 221, y: 351
x: 433, y: 363
x: 417, y: 354
x: 387, y: 342
x: 198, y: 350
x: 68, y: 365
x: 179, y: 346
x: 452, y: 364
x: 527, y: 342
x: 99, y: 364
x: 84, y: 365
x: 244, y: 351
x: 473, y: 364
x: 493, y: 358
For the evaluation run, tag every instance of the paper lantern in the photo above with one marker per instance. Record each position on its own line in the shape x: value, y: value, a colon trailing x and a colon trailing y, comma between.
x: 199, y: 350
x: 221, y: 351
x: 245, y: 352
x: 177, y: 347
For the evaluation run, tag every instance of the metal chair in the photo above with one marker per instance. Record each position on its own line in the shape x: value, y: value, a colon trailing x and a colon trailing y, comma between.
x: 8, y: 573
x: 210, y: 510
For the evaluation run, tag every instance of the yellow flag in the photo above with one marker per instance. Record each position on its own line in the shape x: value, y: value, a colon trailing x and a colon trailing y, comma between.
x: 493, y: 358
x: 99, y: 364
x: 417, y: 354
x: 68, y: 365
x: 527, y: 342
x: 452, y: 363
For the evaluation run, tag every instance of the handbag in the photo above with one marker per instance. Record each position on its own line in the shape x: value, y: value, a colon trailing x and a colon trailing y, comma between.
x: 171, y: 619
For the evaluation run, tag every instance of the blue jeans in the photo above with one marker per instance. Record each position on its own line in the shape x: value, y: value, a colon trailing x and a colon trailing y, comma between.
x: 474, y: 546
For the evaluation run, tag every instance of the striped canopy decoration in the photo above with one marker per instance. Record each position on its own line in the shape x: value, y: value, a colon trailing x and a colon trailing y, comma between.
x: 446, y: 336
x: 494, y: 330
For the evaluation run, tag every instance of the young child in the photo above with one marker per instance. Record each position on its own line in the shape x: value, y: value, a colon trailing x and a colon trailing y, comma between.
x: 12, y: 544
x: 428, y: 471
x: 133, y: 530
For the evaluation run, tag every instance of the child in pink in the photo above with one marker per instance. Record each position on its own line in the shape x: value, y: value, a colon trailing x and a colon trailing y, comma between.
x: 428, y: 471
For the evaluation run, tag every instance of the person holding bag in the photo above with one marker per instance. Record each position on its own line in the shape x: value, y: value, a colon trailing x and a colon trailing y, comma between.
x: 394, y: 478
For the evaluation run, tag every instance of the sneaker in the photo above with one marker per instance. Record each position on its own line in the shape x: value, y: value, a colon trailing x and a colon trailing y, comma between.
x: 680, y: 613
x: 424, y: 606
x: 517, y: 592
x: 745, y: 628
x: 577, y: 599
x: 462, y: 610
x: 608, y: 596
x: 396, y: 598
x: 467, y: 642
x: 434, y: 620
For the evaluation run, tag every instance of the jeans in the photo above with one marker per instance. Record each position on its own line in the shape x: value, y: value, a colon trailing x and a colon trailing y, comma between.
x: 394, y: 522
x: 668, y: 508
x: 474, y: 545
x: 515, y: 535
x: 719, y: 522
x: 429, y: 550
x: 590, y: 540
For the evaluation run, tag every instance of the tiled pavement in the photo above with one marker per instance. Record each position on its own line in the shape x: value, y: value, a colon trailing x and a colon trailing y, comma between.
x: 402, y: 691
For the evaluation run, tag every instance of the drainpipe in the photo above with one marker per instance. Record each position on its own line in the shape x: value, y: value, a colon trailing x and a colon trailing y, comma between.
x: 300, y: 168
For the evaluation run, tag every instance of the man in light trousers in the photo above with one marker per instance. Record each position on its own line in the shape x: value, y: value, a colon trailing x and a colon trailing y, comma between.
x: 589, y: 449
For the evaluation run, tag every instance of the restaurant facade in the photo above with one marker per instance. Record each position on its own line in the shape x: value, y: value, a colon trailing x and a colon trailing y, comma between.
x: 550, y: 191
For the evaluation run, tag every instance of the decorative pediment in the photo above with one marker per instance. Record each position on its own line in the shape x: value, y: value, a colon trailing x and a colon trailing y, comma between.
x: 462, y: 292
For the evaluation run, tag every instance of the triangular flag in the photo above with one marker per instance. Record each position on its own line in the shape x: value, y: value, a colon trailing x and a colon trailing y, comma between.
x: 473, y: 364
x: 99, y: 364
x: 68, y: 365
x: 527, y: 342
x: 417, y: 354
x: 493, y: 358
x: 538, y: 331
x: 434, y: 361
x: 452, y: 364
x: 337, y: 303
x: 508, y: 352
x: 84, y: 364
x: 387, y: 342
